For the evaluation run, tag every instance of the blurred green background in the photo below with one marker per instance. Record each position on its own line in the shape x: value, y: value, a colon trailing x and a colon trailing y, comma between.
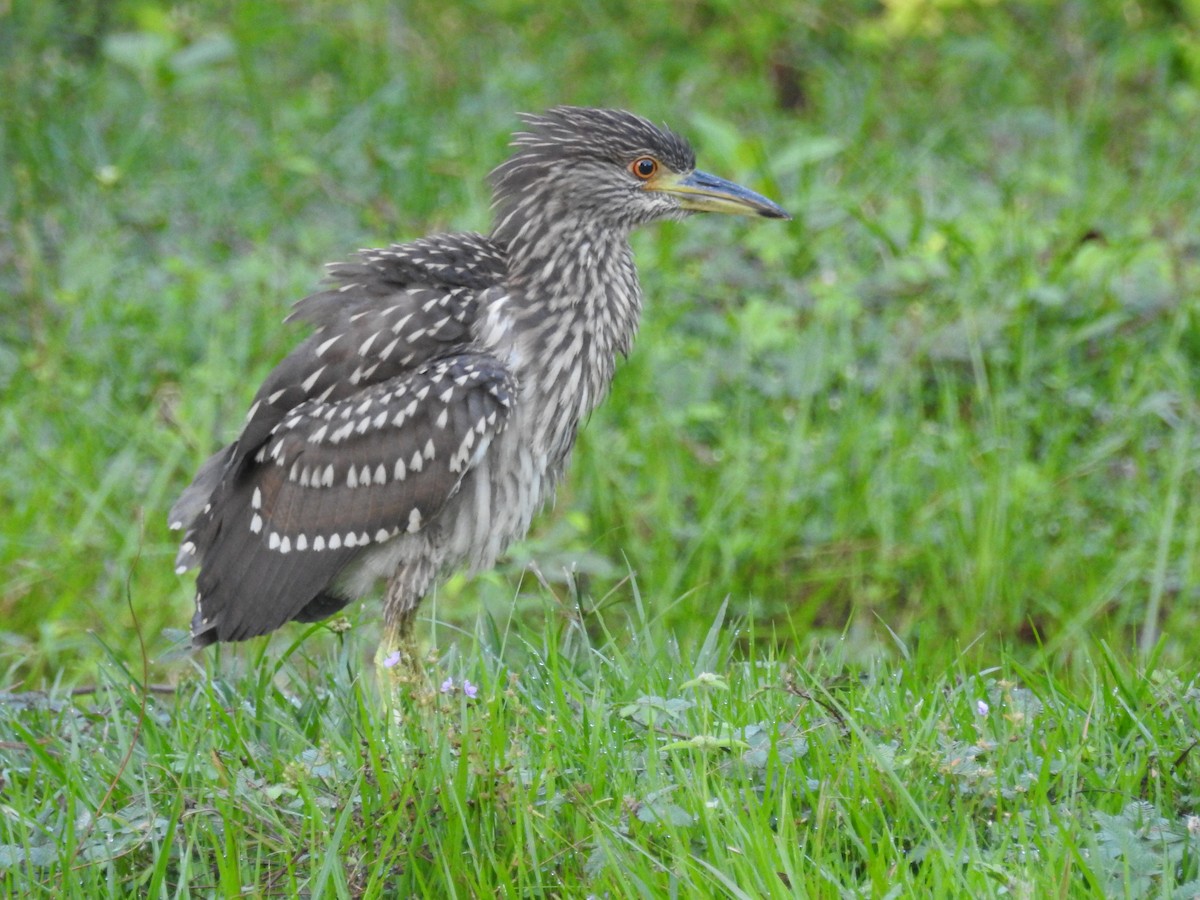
x: 952, y: 404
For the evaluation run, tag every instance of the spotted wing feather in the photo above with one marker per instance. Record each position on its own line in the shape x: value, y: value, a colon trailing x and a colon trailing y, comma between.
x: 335, y: 478
x: 383, y: 462
x: 383, y: 318
x: 383, y: 314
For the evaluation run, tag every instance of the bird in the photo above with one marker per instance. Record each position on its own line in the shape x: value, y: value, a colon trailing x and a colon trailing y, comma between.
x: 432, y: 410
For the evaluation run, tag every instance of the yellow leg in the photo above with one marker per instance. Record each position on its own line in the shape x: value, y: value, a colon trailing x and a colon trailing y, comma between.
x: 397, y: 652
x: 397, y: 658
x: 402, y: 676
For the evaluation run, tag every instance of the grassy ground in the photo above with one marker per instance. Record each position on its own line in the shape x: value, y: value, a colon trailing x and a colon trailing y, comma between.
x: 626, y: 766
x: 877, y: 575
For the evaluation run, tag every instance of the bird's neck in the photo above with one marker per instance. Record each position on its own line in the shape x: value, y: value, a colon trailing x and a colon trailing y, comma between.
x: 575, y: 305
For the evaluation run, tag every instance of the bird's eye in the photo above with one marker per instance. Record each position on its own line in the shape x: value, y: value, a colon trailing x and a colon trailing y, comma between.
x: 644, y: 167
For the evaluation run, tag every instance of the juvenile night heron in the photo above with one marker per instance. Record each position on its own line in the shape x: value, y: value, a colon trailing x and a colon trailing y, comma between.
x: 432, y: 411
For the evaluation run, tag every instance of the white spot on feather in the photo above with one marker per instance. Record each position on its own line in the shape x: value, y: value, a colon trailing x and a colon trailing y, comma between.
x: 308, y: 383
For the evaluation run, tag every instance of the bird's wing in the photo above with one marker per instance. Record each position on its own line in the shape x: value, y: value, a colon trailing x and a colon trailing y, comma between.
x: 382, y: 315
x: 334, y: 477
x: 392, y: 324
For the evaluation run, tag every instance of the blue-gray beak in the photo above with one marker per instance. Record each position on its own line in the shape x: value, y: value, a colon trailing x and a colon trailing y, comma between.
x: 701, y: 192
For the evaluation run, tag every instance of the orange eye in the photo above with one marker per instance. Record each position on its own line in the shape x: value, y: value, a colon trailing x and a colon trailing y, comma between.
x: 644, y: 167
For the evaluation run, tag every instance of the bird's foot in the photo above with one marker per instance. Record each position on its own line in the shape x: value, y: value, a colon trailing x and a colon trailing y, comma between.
x: 402, y: 677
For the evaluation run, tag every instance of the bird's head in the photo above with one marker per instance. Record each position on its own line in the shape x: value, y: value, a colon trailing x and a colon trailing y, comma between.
x: 608, y: 167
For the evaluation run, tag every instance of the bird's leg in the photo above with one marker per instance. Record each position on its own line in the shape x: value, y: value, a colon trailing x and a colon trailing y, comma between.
x: 397, y: 651
x: 397, y: 655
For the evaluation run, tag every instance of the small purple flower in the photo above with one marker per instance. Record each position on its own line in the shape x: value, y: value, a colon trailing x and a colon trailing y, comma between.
x: 391, y: 660
x: 471, y: 690
x: 447, y: 685
x: 981, y: 707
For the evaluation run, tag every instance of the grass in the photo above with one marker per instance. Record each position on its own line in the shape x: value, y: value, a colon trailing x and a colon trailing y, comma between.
x: 611, y: 766
x: 931, y: 449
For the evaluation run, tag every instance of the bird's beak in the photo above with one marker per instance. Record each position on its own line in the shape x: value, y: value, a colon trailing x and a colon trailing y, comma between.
x: 701, y: 192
